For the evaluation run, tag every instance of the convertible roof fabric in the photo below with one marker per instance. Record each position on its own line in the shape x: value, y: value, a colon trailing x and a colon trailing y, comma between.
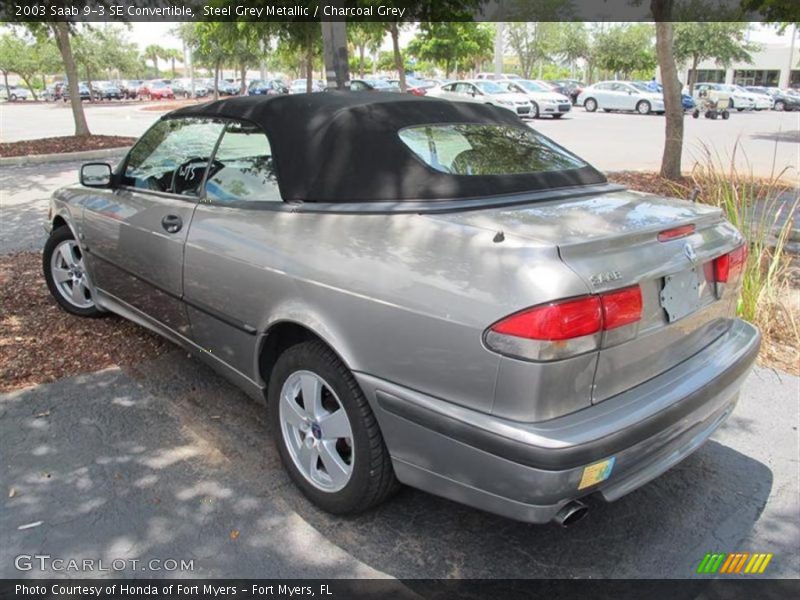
x: 344, y: 147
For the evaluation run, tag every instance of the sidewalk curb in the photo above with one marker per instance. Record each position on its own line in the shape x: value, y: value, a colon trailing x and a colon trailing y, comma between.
x: 38, y: 159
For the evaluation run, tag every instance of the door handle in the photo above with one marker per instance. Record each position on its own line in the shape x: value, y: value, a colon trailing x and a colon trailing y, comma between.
x: 172, y: 223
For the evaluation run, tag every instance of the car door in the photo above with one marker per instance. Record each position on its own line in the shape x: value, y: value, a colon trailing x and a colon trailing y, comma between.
x: 136, y: 232
x: 602, y: 93
x: 627, y: 96
x: 233, y: 257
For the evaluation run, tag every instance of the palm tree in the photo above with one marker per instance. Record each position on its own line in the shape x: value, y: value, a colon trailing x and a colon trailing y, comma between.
x: 154, y: 52
x: 172, y: 54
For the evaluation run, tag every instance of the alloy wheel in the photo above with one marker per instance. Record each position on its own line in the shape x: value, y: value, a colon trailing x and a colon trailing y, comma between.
x: 70, y: 276
x: 317, y: 431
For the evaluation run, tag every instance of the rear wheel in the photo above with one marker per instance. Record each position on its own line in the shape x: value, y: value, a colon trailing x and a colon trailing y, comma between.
x: 779, y: 105
x: 643, y: 107
x: 326, y: 433
x: 66, y: 276
x: 590, y: 104
x: 13, y: 97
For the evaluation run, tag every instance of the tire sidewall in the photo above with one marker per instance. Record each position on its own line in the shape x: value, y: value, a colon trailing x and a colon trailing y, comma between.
x: 314, y: 357
x: 58, y: 236
x: 590, y: 105
x: 640, y: 105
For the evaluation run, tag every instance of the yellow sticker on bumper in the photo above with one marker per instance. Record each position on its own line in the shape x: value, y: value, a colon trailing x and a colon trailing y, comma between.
x: 596, y: 472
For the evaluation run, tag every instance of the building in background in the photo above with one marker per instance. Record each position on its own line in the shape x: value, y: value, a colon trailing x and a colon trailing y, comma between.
x: 777, y: 64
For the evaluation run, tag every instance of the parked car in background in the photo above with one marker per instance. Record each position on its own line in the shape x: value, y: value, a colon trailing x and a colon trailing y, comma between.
x: 784, y: 100
x: 721, y: 92
x: 183, y: 87
x: 484, y: 91
x: 300, y: 86
x: 461, y: 305
x: 687, y: 102
x: 130, y: 88
x: 544, y: 101
x: 267, y: 87
x: 83, y: 92
x: 228, y: 88
x: 763, y: 99
x: 13, y: 93
x: 372, y: 85
x: 155, y: 90
x: 53, y: 91
x: 417, y: 87
x: 571, y: 88
x: 497, y: 77
x: 105, y: 90
x: 621, y: 95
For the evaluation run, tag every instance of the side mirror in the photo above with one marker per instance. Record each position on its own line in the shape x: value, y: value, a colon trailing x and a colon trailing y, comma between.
x: 96, y: 175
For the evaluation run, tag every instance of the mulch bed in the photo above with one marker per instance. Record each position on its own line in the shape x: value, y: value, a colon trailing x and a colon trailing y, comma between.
x: 67, y: 143
x: 39, y: 342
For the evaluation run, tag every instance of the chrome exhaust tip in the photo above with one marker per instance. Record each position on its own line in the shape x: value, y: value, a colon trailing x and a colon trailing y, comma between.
x: 571, y: 513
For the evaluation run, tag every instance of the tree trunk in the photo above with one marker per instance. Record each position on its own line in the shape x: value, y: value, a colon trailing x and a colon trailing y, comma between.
x: 309, y: 66
x: 693, y: 74
x: 30, y: 87
x: 673, y: 141
x: 174, y: 73
x: 361, y: 50
x: 5, y: 81
x: 61, y: 32
x: 89, y: 84
x: 217, y: 65
x: 243, y: 86
x: 155, y: 64
x: 394, y: 29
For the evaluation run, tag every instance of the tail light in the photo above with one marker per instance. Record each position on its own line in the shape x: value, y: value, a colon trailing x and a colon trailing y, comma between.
x: 728, y: 266
x: 565, y: 328
x: 675, y: 233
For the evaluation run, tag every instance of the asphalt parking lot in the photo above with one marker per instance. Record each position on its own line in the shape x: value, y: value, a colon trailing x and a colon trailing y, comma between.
x: 165, y: 460
x: 767, y: 141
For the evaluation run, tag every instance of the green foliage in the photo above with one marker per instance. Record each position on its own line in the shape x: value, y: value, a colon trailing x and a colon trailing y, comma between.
x: 534, y: 43
x: 28, y: 57
x: 625, y: 49
x: 453, y: 46
x: 723, y: 43
x: 365, y: 38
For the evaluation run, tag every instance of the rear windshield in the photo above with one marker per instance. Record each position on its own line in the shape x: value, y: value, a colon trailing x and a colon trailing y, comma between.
x: 486, y: 149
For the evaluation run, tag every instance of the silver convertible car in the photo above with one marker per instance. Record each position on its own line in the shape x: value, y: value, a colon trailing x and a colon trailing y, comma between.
x: 423, y: 292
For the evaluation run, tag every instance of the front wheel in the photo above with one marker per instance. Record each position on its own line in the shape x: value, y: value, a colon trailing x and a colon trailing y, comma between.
x: 326, y: 434
x: 779, y: 106
x: 643, y: 107
x: 66, y: 276
x: 13, y: 97
x: 534, y: 110
x: 590, y: 105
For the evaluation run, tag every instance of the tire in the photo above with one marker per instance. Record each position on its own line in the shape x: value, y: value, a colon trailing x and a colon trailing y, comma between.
x: 13, y: 97
x: 558, y: 115
x: 779, y: 106
x: 725, y: 115
x: 62, y: 256
x: 643, y: 107
x: 740, y: 109
x: 534, y: 110
x: 350, y: 486
x: 695, y: 114
x: 590, y: 105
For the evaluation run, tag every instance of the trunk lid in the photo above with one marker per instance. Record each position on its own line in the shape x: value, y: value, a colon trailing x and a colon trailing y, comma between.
x: 611, y: 242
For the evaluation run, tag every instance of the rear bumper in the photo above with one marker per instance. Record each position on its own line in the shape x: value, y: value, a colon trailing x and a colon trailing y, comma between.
x: 528, y: 471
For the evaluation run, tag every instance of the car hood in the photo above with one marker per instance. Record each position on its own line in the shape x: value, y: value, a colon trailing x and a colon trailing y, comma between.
x: 513, y: 96
x: 585, y: 220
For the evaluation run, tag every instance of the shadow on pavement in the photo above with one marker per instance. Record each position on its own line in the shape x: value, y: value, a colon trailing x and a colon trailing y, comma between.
x: 169, y: 461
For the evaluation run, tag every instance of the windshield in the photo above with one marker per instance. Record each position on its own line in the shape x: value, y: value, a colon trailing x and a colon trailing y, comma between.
x: 490, y: 87
x: 486, y: 149
x: 532, y: 86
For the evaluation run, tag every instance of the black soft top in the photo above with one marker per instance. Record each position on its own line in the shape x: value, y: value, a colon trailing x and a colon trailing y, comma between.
x: 344, y: 147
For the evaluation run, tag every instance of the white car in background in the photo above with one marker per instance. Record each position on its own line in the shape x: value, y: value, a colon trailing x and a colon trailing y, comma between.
x: 544, y: 101
x: 621, y: 95
x: 483, y: 91
x: 13, y: 93
x: 761, y: 100
x: 737, y: 97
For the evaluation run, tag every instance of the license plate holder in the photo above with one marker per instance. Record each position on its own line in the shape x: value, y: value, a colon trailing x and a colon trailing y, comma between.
x: 680, y: 295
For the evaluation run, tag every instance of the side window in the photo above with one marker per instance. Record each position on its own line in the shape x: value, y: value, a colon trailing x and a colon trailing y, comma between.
x: 357, y: 86
x: 603, y: 86
x: 242, y: 169
x: 450, y: 87
x: 173, y: 155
